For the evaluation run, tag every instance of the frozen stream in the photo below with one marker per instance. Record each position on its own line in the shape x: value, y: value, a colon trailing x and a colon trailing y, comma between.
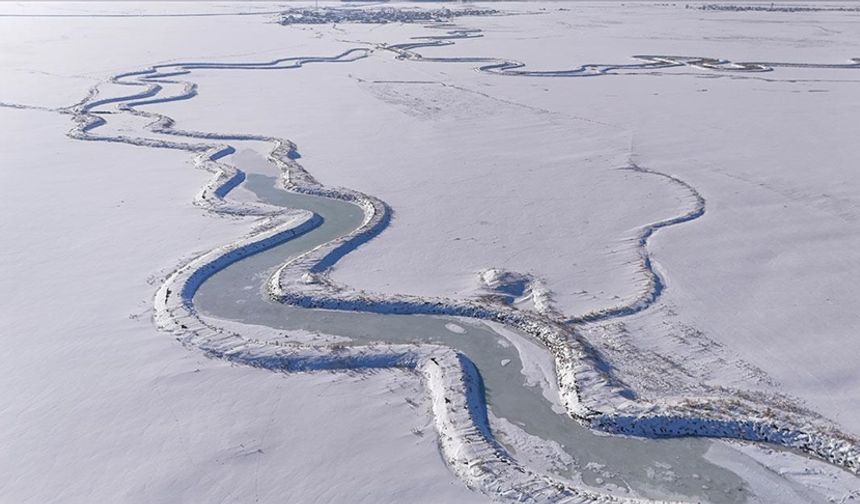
x: 663, y: 468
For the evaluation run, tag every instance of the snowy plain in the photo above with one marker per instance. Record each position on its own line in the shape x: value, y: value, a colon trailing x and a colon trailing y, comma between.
x: 98, y: 406
x: 482, y: 171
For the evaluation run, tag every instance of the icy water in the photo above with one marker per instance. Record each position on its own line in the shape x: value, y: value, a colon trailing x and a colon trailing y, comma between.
x: 651, y: 468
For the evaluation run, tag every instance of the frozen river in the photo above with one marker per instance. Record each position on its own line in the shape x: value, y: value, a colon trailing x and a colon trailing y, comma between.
x: 662, y: 468
x: 456, y: 168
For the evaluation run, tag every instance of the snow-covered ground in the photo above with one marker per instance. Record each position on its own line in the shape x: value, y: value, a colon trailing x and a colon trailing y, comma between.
x: 97, y: 405
x: 482, y: 171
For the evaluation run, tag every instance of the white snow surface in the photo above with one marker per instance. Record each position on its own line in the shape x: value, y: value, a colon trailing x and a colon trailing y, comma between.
x: 482, y: 171
x: 520, y: 173
x: 99, y: 406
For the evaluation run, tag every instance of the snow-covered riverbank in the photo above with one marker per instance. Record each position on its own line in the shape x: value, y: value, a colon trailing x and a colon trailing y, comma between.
x: 732, y: 416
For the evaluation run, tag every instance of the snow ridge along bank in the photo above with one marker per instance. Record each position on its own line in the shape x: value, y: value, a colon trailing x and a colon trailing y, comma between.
x: 452, y: 380
x: 654, y: 283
